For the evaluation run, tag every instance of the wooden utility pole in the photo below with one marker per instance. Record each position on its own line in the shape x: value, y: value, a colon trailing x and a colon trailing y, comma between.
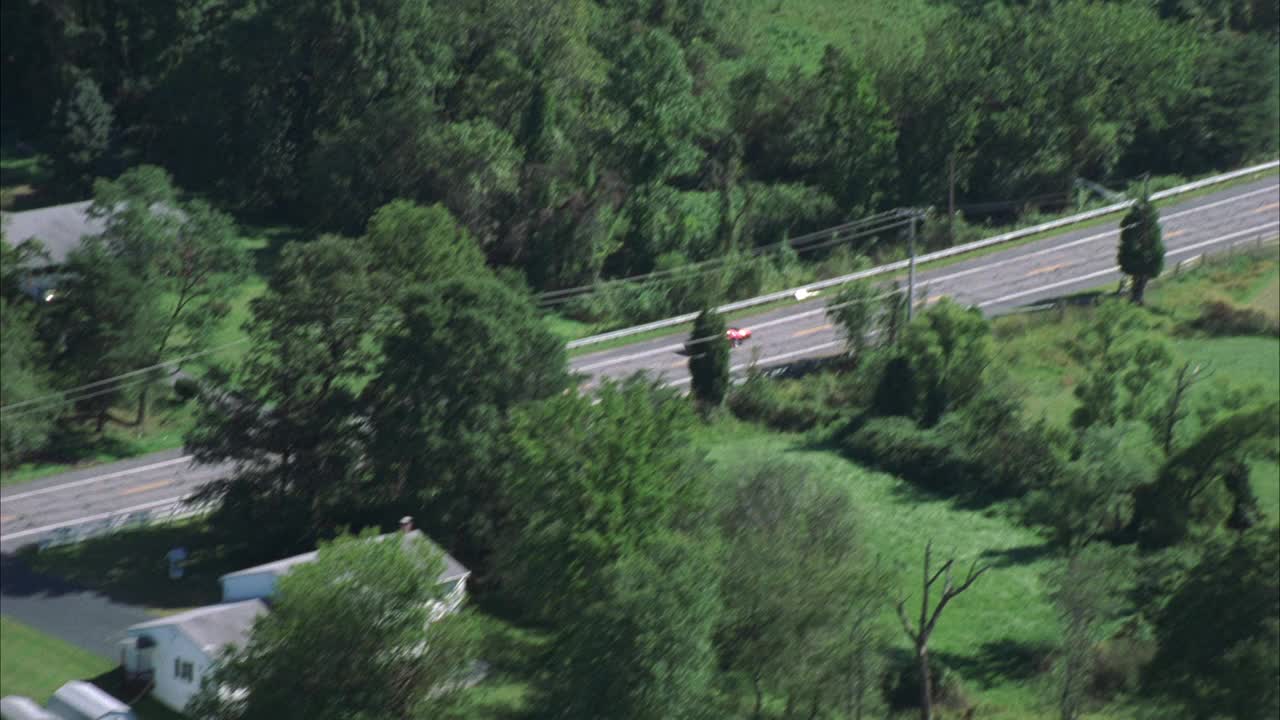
x: 911, y: 269
x: 951, y: 198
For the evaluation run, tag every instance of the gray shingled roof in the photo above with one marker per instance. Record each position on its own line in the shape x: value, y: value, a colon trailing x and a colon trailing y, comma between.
x: 215, y: 626
x: 452, y: 568
x: 58, y: 228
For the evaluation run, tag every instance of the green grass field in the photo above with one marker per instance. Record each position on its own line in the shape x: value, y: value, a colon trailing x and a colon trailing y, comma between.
x: 35, y: 664
x: 996, y: 634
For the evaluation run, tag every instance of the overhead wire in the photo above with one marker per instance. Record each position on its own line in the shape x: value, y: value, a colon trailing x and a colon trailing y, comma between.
x: 62, y: 394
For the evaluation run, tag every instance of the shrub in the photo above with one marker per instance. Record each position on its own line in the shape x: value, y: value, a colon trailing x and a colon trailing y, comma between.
x: 902, y: 684
x: 1219, y: 318
x: 923, y: 457
x: 789, y: 405
x: 186, y: 388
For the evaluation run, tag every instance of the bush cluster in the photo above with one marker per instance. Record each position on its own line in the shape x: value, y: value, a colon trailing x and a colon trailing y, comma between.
x: 796, y: 405
x: 1220, y: 318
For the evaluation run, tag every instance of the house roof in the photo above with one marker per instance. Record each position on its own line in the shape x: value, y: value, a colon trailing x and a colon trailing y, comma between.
x: 59, y: 228
x: 212, y: 627
x: 452, y: 568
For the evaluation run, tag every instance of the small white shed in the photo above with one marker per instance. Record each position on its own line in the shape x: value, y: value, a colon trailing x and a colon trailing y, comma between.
x: 79, y: 700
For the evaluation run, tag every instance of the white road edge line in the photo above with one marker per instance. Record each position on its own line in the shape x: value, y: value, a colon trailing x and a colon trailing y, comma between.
x: 1115, y: 268
x: 96, y: 478
x: 942, y: 278
x: 1012, y: 296
x: 90, y: 518
x: 780, y: 356
x: 674, y: 383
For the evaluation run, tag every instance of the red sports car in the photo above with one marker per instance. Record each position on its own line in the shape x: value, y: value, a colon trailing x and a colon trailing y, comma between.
x: 737, y: 336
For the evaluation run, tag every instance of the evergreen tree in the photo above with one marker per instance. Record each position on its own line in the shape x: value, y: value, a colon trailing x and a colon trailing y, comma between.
x: 1141, y: 254
x: 709, y: 358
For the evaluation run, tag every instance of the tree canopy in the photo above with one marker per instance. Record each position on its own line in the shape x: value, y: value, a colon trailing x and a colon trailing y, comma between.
x: 355, y: 633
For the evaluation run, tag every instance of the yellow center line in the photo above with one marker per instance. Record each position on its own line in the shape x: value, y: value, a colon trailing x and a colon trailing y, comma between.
x: 810, y: 331
x: 144, y: 488
x: 6, y: 517
x: 678, y: 364
x: 933, y: 299
x: 1265, y: 208
x: 1175, y: 233
x: 1045, y: 269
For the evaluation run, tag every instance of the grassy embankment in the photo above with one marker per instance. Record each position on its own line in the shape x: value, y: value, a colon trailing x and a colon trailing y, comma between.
x: 1035, y: 347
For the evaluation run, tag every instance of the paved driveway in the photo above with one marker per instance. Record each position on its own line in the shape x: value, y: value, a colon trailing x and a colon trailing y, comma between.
x: 81, y: 617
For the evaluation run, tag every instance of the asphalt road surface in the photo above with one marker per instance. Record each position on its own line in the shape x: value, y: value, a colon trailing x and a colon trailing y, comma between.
x: 998, y: 282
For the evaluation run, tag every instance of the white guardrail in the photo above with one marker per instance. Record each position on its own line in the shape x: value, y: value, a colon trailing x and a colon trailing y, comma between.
x: 928, y: 257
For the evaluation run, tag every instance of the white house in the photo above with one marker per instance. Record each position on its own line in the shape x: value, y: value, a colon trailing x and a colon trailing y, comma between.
x: 176, y: 651
x: 260, y: 581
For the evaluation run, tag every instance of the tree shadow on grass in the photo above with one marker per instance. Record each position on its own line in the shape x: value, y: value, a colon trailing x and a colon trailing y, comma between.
x: 130, y: 566
x: 1000, y: 661
x: 134, y: 694
x: 1021, y: 555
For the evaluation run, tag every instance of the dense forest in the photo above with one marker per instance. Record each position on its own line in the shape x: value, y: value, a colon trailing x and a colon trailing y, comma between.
x: 579, y: 140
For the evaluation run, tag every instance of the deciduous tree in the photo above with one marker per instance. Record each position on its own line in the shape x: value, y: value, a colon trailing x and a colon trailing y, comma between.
x: 801, y: 600
x: 83, y: 126
x: 27, y: 414
x: 155, y: 282
x: 609, y: 542
x: 1094, y: 494
x: 855, y: 310
x: 1087, y: 592
x: 948, y: 348
x: 289, y: 420
x: 1219, y: 640
x: 464, y: 352
x: 349, y: 635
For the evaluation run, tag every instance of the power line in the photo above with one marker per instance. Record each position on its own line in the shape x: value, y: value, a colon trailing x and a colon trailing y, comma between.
x: 891, y: 217
x: 114, y: 378
x: 68, y: 401
x: 720, y: 264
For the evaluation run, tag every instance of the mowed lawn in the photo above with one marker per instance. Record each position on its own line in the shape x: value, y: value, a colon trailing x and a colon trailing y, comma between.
x: 35, y: 665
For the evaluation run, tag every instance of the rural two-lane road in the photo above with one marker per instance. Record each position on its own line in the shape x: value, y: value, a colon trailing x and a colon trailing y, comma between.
x: 997, y: 282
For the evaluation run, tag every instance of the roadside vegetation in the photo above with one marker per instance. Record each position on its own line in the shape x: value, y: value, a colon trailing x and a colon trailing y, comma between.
x: 579, y: 144
x: 768, y: 529
x: 1063, y: 515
